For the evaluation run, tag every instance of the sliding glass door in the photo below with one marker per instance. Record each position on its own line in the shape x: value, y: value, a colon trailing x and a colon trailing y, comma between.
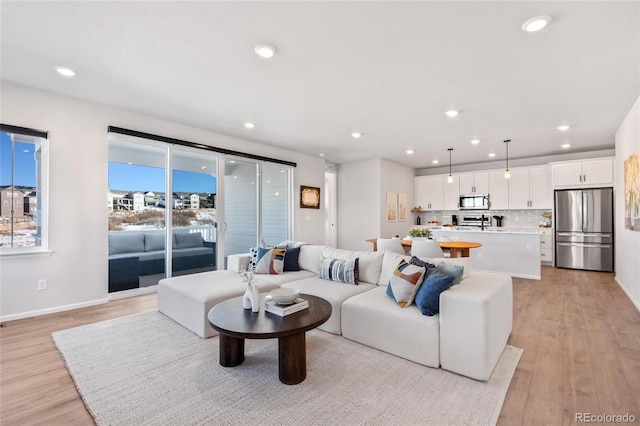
x: 155, y: 215
x: 257, y: 204
x: 193, y: 205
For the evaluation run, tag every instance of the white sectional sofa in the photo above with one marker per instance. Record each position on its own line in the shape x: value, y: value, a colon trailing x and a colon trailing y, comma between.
x: 467, y: 336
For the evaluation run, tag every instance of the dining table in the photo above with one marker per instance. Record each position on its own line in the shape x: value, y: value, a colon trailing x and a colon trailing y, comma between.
x: 454, y: 247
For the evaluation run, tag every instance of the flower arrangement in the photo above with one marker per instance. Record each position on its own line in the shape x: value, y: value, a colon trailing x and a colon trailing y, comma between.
x: 546, y: 215
x: 419, y: 233
x: 246, y: 274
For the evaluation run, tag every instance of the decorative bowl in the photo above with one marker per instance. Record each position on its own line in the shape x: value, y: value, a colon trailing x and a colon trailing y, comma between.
x: 284, y: 295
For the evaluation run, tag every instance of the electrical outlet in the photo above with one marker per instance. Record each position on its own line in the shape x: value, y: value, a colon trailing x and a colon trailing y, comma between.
x: 529, y: 246
x: 480, y: 255
x: 42, y: 284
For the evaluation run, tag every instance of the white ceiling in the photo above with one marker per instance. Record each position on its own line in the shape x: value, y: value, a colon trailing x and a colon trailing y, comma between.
x: 387, y: 69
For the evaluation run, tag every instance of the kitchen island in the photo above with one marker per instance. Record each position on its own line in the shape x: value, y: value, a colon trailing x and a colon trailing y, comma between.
x: 514, y: 252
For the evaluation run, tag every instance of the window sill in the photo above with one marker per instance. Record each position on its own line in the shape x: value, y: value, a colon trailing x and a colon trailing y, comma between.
x: 24, y: 254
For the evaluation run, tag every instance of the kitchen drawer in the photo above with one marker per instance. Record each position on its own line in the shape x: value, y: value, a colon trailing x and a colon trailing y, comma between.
x: 546, y: 254
x: 545, y: 241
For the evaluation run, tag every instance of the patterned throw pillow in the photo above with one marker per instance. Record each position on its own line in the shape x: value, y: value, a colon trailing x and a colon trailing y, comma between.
x: 253, y: 257
x: 455, y: 271
x: 343, y: 271
x: 419, y: 262
x: 270, y: 261
x: 428, y: 296
x: 405, y: 282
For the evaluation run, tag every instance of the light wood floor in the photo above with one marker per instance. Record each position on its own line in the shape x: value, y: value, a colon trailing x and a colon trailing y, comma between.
x: 579, y: 331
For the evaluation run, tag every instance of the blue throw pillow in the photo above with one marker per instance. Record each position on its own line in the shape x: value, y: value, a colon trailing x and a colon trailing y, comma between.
x: 419, y: 262
x: 453, y: 270
x: 291, y: 259
x: 428, y: 297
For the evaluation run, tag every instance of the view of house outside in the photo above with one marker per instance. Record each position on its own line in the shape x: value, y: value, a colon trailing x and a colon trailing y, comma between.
x: 143, y: 206
x: 18, y: 193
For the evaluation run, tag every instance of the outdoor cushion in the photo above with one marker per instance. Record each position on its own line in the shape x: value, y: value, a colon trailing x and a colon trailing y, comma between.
x: 124, y: 242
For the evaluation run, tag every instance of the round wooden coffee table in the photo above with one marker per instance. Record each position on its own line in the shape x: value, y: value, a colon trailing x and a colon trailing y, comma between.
x: 236, y: 324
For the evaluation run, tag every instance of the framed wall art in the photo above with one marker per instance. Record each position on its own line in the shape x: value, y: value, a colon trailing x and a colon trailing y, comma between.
x: 632, y: 192
x: 402, y: 207
x: 392, y: 206
x: 309, y: 197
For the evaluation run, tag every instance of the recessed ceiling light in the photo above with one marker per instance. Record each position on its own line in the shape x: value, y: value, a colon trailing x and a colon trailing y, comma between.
x: 451, y: 113
x: 536, y: 24
x: 565, y: 145
x: 67, y: 72
x: 409, y: 151
x: 356, y: 135
x: 435, y: 161
x: 203, y: 167
x: 232, y: 161
x: 321, y: 154
x: 249, y: 125
x: 492, y: 154
x: 475, y: 141
x: 265, y: 50
x: 564, y: 127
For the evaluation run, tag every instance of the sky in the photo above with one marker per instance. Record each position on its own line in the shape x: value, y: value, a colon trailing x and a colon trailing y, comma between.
x: 124, y: 177
x: 25, y: 165
x: 132, y: 177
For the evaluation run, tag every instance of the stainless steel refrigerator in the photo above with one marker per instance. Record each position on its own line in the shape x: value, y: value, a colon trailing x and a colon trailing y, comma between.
x: 584, y: 229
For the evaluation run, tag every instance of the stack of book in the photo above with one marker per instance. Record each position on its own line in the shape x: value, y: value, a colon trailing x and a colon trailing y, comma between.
x: 284, y: 310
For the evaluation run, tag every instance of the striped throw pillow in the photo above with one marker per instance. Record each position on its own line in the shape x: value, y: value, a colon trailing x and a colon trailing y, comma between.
x: 343, y: 271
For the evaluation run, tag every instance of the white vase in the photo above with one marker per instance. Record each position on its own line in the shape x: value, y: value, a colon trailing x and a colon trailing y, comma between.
x: 246, y: 299
x: 255, y: 299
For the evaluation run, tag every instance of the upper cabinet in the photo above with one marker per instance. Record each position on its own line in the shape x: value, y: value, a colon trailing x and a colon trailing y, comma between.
x: 530, y: 188
x: 474, y: 183
x: 498, y: 190
x: 451, y: 192
x: 593, y: 172
x: 429, y: 192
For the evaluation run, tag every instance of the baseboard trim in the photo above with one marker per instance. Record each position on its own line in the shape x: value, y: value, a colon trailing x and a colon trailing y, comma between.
x: 635, y: 302
x: 133, y: 292
x: 53, y: 310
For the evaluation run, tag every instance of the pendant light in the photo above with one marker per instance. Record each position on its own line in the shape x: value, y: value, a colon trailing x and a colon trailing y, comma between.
x: 450, y: 178
x: 507, y: 173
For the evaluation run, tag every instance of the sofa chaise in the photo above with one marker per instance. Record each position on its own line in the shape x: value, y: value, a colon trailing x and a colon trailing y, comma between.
x: 466, y: 337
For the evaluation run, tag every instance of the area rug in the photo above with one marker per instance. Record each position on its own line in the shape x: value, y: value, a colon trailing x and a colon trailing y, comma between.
x: 145, y: 369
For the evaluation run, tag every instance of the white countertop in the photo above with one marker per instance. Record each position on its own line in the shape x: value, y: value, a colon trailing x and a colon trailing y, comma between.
x: 491, y: 230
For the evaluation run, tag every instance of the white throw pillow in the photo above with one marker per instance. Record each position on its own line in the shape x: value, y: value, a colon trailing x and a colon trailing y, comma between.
x: 310, y: 257
x: 390, y: 262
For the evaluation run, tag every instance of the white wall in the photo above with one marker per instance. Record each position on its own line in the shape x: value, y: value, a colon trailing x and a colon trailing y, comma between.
x: 362, y: 197
x: 77, y: 269
x: 627, y: 242
x: 358, y: 204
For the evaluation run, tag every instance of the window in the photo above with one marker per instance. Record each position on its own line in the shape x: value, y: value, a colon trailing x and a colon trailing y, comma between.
x: 23, y: 189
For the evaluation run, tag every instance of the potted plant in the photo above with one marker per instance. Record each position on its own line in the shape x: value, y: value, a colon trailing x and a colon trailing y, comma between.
x: 419, y: 233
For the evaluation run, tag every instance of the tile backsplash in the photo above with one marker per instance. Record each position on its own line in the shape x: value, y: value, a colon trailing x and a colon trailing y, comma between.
x: 512, y: 218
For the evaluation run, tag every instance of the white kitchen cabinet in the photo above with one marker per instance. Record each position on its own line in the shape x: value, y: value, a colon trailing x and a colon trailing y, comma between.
x: 592, y: 172
x: 546, y: 246
x: 498, y: 190
x: 429, y: 192
x: 540, y: 191
x: 474, y: 183
x: 451, y: 193
x: 529, y: 188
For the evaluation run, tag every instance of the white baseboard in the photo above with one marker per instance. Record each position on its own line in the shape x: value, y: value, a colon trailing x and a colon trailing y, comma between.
x: 635, y: 302
x: 53, y: 310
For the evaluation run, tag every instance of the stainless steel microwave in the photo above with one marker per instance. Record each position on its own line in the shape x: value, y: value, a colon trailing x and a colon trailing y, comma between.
x: 474, y: 202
